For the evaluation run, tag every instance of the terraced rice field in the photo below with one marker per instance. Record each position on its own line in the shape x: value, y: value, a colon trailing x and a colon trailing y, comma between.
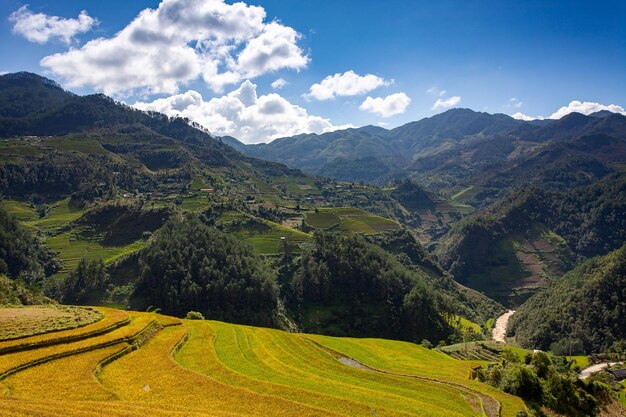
x: 70, y: 242
x: 349, y: 220
x: 144, y: 364
x: 73, y: 245
x: 18, y: 322
x: 267, y: 240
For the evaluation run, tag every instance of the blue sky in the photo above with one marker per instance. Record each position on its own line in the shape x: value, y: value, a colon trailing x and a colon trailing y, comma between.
x: 532, y: 57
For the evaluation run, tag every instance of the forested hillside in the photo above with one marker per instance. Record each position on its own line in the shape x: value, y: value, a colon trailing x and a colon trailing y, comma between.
x: 534, y: 235
x: 582, y: 309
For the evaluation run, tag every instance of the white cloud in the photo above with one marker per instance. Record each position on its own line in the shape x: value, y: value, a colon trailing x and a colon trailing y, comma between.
x: 347, y: 84
x: 515, y: 102
x: 279, y: 83
x: 436, y: 92
x: 446, y: 103
x: 176, y: 43
x: 388, y: 106
x: 40, y: 28
x: 243, y: 114
x: 586, y: 107
x: 525, y: 117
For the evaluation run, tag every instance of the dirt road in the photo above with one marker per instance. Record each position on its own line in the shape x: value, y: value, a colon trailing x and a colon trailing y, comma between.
x: 498, y: 332
x: 594, y: 369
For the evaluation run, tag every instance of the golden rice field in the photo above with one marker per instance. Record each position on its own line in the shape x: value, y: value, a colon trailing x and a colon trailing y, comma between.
x: 145, y: 364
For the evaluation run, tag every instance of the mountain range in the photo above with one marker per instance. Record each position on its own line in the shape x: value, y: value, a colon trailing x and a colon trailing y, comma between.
x: 457, y: 149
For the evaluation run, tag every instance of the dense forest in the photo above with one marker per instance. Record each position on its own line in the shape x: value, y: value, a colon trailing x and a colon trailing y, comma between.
x: 190, y: 266
x: 346, y: 286
x: 22, y: 256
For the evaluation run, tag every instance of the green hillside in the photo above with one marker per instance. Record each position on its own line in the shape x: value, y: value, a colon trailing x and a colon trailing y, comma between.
x: 592, y: 293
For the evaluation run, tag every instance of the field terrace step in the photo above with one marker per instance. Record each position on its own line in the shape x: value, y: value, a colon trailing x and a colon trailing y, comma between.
x: 72, y: 376
x: 286, y: 366
x: 157, y: 379
x: 15, y: 407
x: 112, y: 319
x: 410, y: 360
x: 140, y: 327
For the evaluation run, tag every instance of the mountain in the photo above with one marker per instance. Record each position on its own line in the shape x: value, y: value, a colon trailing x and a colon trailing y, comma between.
x: 122, y: 148
x: 532, y: 236
x: 583, y: 307
x: 447, y: 152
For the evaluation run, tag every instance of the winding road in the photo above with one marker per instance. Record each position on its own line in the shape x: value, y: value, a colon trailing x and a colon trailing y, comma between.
x: 498, y: 332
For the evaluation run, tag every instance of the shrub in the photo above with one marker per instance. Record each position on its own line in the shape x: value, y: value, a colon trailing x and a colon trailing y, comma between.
x: 194, y: 315
x: 426, y: 343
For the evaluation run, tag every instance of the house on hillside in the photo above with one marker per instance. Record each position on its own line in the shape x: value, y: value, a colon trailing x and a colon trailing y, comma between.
x: 619, y: 374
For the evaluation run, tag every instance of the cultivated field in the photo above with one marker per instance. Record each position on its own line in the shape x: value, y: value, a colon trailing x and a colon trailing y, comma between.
x: 349, y: 220
x: 146, y: 364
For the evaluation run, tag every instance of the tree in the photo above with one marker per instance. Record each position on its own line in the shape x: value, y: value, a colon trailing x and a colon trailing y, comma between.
x: 82, y: 284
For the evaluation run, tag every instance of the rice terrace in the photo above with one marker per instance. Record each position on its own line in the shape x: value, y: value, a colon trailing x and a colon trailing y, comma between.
x: 138, y: 364
x: 271, y: 208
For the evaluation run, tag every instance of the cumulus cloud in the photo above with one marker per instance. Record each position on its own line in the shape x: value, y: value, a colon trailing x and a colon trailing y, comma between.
x: 525, y: 117
x: 387, y: 106
x: 243, y: 114
x: 178, y: 42
x: 347, y: 84
x: 279, y: 83
x: 40, y: 28
x: 585, y: 107
x: 442, y: 103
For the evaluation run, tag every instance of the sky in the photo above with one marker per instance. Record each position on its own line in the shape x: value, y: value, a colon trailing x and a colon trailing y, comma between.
x: 259, y: 70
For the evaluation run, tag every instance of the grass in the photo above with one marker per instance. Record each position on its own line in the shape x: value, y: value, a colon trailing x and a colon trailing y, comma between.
x: 196, y: 202
x: 349, y: 220
x: 60, y: 215
x: 322, y: 219
x: 461, y: 192
x: 466, y: 324
x: 20, y: 209
x: 266, y: 240
x: 581, y: 361
x: 298, y: 370
x: 74, y: 245
x: 410, y: 359
x: 78, y: 144
x: 207, y: 368
x: 158, y: 379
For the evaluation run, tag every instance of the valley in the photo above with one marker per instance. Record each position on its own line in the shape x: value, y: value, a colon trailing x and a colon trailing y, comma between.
x: 378, y: 292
